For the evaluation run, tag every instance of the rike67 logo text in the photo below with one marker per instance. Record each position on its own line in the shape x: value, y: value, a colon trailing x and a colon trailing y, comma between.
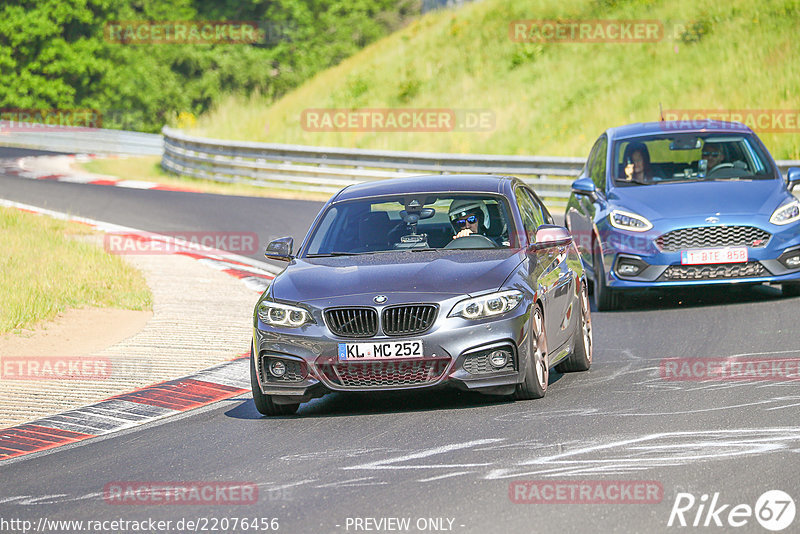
x: 774, y: 510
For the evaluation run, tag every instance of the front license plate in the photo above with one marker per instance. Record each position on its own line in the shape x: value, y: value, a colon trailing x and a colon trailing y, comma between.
x: 714, y: 255
x: 387, y: 350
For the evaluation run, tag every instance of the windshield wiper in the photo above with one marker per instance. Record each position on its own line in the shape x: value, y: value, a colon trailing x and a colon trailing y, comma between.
x: 732, y: 178
x: 334, y: 254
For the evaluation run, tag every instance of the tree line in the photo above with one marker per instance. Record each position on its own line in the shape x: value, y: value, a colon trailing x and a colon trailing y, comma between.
x: 141, y: 63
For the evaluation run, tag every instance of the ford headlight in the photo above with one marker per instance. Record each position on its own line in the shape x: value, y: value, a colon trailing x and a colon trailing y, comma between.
x: 487, y: 305
x: 625, y: 220
x: 788, y: 213
x: 275, y: 314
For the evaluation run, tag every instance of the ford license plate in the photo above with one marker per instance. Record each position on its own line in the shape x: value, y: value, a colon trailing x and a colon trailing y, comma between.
x: 714, y: 255
x: 388, y: 350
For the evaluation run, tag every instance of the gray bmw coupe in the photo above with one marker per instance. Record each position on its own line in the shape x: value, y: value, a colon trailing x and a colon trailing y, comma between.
x: 422, y: 282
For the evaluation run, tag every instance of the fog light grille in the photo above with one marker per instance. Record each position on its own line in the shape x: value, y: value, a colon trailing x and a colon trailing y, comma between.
x: 477, y: 363
x: 295, y: 371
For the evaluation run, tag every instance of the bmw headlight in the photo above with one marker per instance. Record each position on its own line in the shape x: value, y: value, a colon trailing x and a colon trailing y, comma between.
x: 788, y: 213
x: 275, y: 314
x: 625, y: 220
x: 487, y: 305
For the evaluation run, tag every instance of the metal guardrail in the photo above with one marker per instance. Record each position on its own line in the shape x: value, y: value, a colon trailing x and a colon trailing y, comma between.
x: 310, y: 168
x: 299, y: 167
x: 431, y: 5
x: 81, y: 140
x: 327, y: 170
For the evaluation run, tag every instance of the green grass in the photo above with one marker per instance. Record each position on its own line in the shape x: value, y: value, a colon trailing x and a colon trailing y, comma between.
x: 45, y: 270
x: 148, y: 168
x: 548, y: 99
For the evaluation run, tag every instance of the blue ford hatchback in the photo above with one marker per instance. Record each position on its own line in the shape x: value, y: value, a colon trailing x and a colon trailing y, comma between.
x: 663, y: 204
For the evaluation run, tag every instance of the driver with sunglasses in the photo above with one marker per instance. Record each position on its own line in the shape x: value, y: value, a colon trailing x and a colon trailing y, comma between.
x: 714, y: 154
x: 469, y: 217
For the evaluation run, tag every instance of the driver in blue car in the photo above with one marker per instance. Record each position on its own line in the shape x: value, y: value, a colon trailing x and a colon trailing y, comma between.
x: 469, y: 217
x: 714, y: 154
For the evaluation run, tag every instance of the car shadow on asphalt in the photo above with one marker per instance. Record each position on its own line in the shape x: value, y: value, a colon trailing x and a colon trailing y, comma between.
x: 345, y: 404
x: 695, y: 297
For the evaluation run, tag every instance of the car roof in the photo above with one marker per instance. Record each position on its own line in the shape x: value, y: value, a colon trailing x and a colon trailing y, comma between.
x: 436, y: 183
x: 679, y: 126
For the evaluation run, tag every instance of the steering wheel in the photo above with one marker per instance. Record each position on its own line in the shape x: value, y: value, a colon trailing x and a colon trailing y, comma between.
x: 472, y: 241
x: 720, y: 167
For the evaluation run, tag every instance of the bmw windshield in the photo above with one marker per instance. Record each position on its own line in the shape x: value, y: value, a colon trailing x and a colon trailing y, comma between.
x: 420, y: 222
x: 687, y: 157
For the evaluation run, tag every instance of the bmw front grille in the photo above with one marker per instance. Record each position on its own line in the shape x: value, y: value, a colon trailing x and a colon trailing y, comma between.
x: 352, y: 322
x: 408, y: 319
x: 362, y: 322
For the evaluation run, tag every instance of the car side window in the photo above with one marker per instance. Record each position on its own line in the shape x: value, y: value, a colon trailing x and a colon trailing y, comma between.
x: 598, y: 164
x: 547, y: 217
x: 536, y: 206
x: 587, y: 170
x: 528, y: 214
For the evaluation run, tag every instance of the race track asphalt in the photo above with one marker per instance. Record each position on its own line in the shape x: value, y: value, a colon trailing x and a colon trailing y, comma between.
x: 348, y: 457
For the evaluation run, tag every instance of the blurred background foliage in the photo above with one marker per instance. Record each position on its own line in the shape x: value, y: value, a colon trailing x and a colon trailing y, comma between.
x: 53, y: 53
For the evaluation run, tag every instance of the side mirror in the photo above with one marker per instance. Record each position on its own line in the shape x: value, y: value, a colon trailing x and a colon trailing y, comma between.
x: 793, y: 174
x: 550, y: 235
x: 280, y: 249
x: 585, y: 187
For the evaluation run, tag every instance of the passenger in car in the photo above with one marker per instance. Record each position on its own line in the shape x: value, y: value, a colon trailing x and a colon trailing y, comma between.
x: 637, y: 164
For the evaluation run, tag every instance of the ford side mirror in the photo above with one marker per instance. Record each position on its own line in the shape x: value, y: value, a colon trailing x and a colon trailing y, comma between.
x: 280, y: 249
x: 793, y: 175
x: 550, y: 235
x: 585, y: 187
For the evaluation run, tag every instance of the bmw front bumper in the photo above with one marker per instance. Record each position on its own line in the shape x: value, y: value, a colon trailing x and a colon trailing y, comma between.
x: 455, y: 354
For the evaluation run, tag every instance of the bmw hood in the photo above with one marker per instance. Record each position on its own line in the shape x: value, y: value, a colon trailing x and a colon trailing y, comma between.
x: 701, y: 199
x: 448, y: 273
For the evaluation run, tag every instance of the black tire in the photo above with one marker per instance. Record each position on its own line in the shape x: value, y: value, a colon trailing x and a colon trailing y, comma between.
x: 790, y: 289
x: 581, y: 357
x: 605, y: 298
x: 537, y: 373
x: 264, y: 403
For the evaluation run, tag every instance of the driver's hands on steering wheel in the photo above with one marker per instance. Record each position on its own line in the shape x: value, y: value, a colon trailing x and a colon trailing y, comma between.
x: 463, y: 233
x: 720, y: 166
